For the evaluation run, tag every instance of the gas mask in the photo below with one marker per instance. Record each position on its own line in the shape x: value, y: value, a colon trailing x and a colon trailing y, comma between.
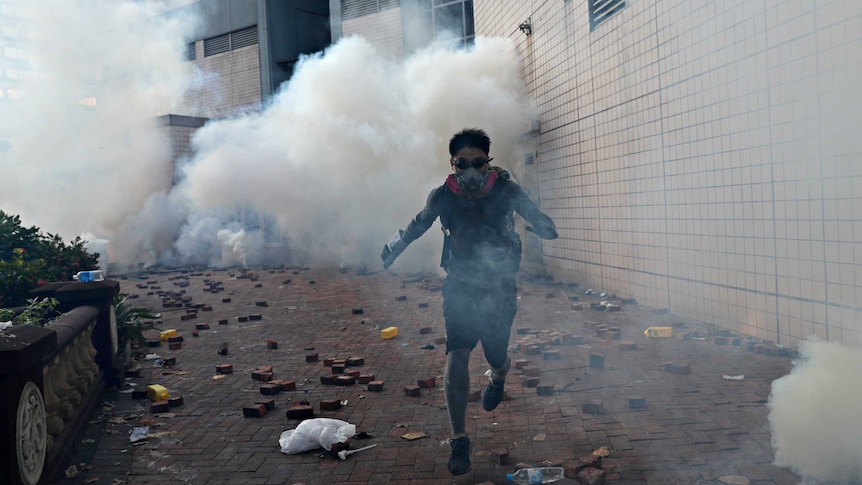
x: 472, y: 182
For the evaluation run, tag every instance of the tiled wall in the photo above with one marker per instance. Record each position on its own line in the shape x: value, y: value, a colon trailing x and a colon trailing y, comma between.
x: 225, y: 83
x: 382, y: 30
x: 703, y: 156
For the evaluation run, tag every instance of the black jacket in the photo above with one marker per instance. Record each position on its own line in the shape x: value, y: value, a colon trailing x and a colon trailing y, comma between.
x: 481, y: 241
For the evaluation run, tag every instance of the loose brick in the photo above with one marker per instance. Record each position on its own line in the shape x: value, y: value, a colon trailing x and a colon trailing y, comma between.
x: 160, y: 406
x: 592, y: 407
x: 401, y: 298
x: 224, y: 369
x: 256, y: 316
x: 285, y: 384
x: 265, y: 376
x: 169, y: 361
x: 328, y: 362
x: 202, y: 326
x: 154, y: 343
x: 327, y: 380
x: 242, y: 319
x: 365, y: 378
x: 268, y: 403
x: 271, y: 344
x: 254, y: 411
x: 139, y: 392
x: 627, y: 346
x: 531, y: 382
x: 591, y: 476
x: 136, y: 372
x: 637, y: 403
x: 300, y: 412
x: 270, y: 389
x: 358, y: 311
x: 260, y: 303
x: 353, y: 373
x: 427, y: 383
x: 425, y: 330
x: 501, y: 457
x: 423, y: 305
x: 375, y: 386
x: 597, y: 361
x: 338, y: 368
x: 546, y: 390
x: 355, y: 361
x: 412, y: 391
x: 175, y: 345
x: 175, y: 339
x: 531, y: 371
x: 206, y: 308
x: 223, y: 322
x: 188, y: 316
x: 552, y: 355
x: 330, y: 405
x: 225, y: 300
x: 175, y: 401
x: 195, y: 333
x: 520, y: 363
x: 345, y: 381
x: 312, y: 358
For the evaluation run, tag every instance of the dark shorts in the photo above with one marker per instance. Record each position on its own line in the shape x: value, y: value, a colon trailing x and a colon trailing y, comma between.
x: 480, y: 312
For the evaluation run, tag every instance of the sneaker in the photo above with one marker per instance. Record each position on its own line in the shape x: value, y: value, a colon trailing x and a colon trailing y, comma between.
x: 459, y: 460
x: 492, y: 396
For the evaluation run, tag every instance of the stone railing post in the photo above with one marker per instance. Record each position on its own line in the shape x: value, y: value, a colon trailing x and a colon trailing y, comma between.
x: 23, y: 418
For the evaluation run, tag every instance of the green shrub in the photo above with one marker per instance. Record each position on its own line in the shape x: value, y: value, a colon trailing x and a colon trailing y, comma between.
x: 29, y: 259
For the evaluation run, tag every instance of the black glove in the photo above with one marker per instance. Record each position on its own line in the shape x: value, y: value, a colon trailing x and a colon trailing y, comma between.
x: 547, y: 232
x: 392, y: 249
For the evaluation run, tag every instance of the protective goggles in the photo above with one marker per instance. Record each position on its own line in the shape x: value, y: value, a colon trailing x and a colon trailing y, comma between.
x: 462, y: 164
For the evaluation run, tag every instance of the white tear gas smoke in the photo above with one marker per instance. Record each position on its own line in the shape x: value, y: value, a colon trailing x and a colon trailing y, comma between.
x: 814, y: 414
x: 78, y: 131
x: 341, y: 157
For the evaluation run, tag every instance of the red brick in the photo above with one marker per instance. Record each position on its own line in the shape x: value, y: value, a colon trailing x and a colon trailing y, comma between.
x: 169, y: 361
x: 552, y: 355
x: 312, y: 358
x: 270, y: 389
x: 188, y: 316
x: 591, y: 460
x: 530, y: 371
x: 260, y: 303
x: 338, y: 369
x: 160, y: 407
x: 501, y: 457
x: 206, y: 308
x: 520, y: 363
x: 265, y: 376
x: 327, y: 362
x: 358, y: 311
x: 254, y: 410
x: 271, y: 344
x: 625, y: 346
x: 178, y: 338
x: 341, y: 362
x: 330, y: 405
x: 546, y: 390
x: 531, y: 382
x: 440, y: 340
x: 223, y: 322
x: 412, y: 391
x: 327, y: 380
x: 592, y: 407
x: 268, y: 403
x: 427, y: 383
x: 242, y: 319
x: 675, y: 368
x: 591, y: 476
x: 225, y: 300
x: 353, y: 373
x: 224, y: 369
x: 425, y: 330
x: 195, y: 333
x: 202, y: 326
x: 375, y: 386
x: 255, y: 316
x: 285, y: 384
x: 355, y: 361
x: 301, y: 411
x: 366, y: 378
x: 175, y: 345
x: 345, y: 381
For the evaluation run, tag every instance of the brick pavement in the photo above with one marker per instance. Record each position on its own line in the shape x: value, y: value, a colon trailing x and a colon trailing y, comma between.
x: 695, y: 428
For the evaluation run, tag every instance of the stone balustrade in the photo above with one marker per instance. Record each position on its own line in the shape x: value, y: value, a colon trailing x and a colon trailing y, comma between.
x: 53, y: 378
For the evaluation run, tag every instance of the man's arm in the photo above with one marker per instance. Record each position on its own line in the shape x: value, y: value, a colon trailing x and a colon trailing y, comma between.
x: 415, y: 229
x: 541, y: 224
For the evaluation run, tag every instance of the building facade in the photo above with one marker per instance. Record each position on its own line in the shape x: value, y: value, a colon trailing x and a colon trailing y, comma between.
x: 697, y: 156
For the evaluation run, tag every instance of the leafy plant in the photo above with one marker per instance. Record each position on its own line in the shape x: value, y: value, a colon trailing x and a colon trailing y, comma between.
x: 131, y: 321
x: 37, y: 312
x: 29, y: 259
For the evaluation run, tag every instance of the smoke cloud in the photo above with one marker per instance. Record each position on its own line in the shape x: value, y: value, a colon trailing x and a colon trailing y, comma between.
x: 814, y: 414
x: 340, y: 158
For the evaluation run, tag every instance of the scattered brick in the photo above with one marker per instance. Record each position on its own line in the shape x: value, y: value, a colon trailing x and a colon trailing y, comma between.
x: 401, y: 298
x: 242, y: 319
x: 375, y: 386
x: 202, y: 326
x: 260, y: 303
x: 637, y: 403
x: 169, y: 361
x: 345, y: 381
x: 225, y: 300
x: 423, y: 305
x: 427, y: 383
x: 175, y: 345
x: 139, y: 392
x: 270, y: 389
x: 531, y: 382
x: 440, y: 340
x: 330, y: 405
x: 546, y: 390
x: 353, y: 373
x: 358, y: 311
x: 223, y: 349
x: 592, y: 407
x: 355, y: 361
x: 268, y: 403
x: 531, y: 371
x: 365, y: 378
x: 327, y: 380
x: 552, y: 355
x: 175, y: 339
x: 206, y: 308
x: 328, y: 362
x: 222, y: 322
x: 265, y: 376
x: 425, y: 330
x: 338, y: 368
x: 160, y: 406
x: 175, y: 401
x: 627, y: 345
x: 312, y: 358
x: 254, y: 411
x: 591, y: 476
x: 224, y: 369
x: 188, y: 316
x: 520, y: 363
x: 136, y: 372
x: 195, y: 333
x: 300, y: 411
x: 154, y: 343
x: 501, y: 457
x: 258, y: 285
x: 256, y: 316
x: 285, y: 384
x: 271, y: 344
x: 597, y: 361
x: 412, y: 391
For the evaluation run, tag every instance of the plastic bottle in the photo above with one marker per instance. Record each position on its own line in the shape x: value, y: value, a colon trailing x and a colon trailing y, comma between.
x: 87, y: 276
x: 547, y: 474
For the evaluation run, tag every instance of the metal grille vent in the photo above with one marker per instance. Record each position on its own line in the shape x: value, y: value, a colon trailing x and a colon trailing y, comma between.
x: 351, y: 9
x: 216, y: 45
x: 243, y: 38
x: 191, y: 53
x: 601, y: 10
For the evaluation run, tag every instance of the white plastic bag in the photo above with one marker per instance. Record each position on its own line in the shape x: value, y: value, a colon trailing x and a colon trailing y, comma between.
x: 315, y: 433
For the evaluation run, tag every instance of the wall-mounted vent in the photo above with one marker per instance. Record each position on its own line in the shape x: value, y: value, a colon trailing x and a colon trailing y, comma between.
x: 216, y: 45
x: 243, y: 38
x: 351, y: 9
x: 529, y: 158
x: 601, y: 10
x: 191, y: 52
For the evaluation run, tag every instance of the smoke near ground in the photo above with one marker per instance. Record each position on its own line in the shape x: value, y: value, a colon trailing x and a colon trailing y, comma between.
x: 814, y: 414
x: 343, y: 156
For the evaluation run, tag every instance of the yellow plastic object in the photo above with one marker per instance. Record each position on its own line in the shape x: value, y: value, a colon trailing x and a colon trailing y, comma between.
x: 166, y: 334
x: 388, y: 333
x: 662, y: 332
x: 156, y: 392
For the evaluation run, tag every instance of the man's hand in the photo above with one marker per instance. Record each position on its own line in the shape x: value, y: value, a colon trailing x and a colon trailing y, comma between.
x: 543, y: 232
x: 392, y: 249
